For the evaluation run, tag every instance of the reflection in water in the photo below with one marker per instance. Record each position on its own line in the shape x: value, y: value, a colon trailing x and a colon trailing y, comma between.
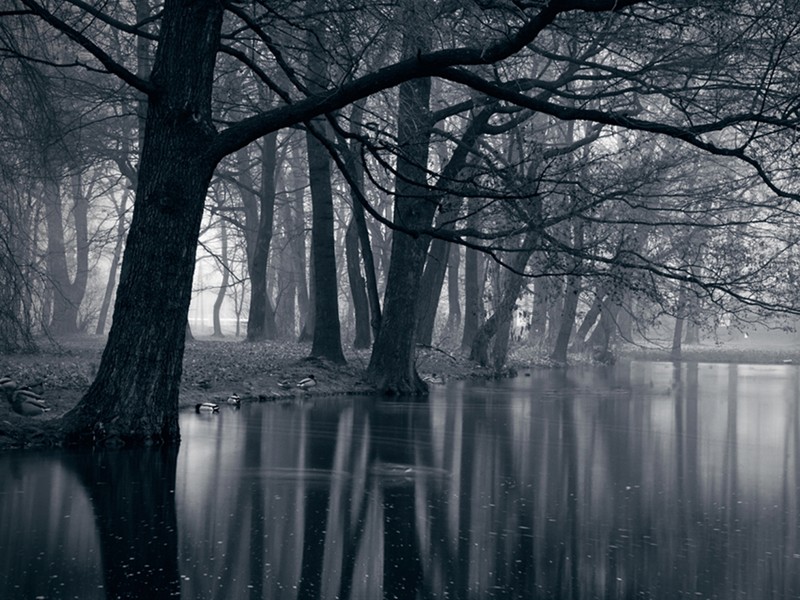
x: 645, y: 480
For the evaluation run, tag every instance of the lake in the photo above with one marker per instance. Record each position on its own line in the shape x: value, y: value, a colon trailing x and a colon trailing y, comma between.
x: 642, y: 480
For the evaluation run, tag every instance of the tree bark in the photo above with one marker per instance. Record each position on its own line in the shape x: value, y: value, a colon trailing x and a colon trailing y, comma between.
x: 391, y: 366
x: 68, y: 292
x: 358, y: 289
x: 538, y: 325
x: 567, y: 321
x: 357, y: 169
x: 580, y: 343
x: 602, y: 335
x: 497, y: 326
x: 297, y: 249
x: 261, y: 316
x: 474, y: 283
x: 111, y: 283
x: 570, y: 306
x: 436, y: 264
x: 453, y: 291
x: 677, y: 332
x: 473, y: 297
x: 223, y: 288
x: 134, y: 397
x: 326, y: 342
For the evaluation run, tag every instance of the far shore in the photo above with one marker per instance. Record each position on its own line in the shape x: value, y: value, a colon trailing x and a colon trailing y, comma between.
x: 214, y: 369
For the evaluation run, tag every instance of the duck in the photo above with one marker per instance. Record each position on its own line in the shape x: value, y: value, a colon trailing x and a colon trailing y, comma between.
x: 285, y: 384
x: 234, y: 399
x: 433, y: 379
x: 26, y: 402
x: 7, y: 384
x: 206, y: 407
x: 306, y: 383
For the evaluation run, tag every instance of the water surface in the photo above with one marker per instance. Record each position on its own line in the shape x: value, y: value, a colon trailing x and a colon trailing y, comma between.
x: 645, y: 480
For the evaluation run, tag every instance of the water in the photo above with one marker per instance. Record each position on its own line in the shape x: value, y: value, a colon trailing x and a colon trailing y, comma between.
x: 641, y: 481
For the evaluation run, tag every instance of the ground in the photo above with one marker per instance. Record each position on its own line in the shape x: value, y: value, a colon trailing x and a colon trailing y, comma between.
x: 215, y: 369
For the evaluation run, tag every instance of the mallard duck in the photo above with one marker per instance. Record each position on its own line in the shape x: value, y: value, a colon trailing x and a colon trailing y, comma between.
x: 234, y: 399
x: 306, y: 383
x: 7, y: 384
x: 206, y: 407
x: 27, y: 403
x: 433, y: 379
x: 37, y: 387
x: 285, y: 384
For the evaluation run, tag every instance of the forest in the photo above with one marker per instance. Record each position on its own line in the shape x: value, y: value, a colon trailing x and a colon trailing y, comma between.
x: 465, y: 175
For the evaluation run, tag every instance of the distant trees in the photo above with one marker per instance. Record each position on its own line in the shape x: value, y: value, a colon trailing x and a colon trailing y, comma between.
x: 617, y: 152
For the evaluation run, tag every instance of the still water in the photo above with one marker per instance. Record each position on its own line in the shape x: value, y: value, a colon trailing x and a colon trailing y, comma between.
x: 645, y: 480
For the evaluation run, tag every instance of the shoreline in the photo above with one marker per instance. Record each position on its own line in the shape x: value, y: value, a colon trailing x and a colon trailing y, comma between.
x: 214, y: 369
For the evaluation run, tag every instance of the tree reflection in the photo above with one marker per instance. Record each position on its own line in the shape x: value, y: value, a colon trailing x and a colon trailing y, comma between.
x: 654, y: 480
x: 133, y: 498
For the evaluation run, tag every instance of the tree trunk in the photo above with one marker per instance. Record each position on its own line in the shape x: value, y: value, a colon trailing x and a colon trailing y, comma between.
x: 625, y: 317
x: 538, y: 325
x: 473, y: 297
x: 134, y: 397
x: 67, y: 294
x: 436, y: 265
x: 498, y: 325
x: 326, y: 342
x: 357, y: 170
x: 305, y: 306
x: 580, y: 343
x: 223, y: 288
x: 391, y: 365
x: 327, y: 339
x: 357, y: 289
x: 286, y: 305
x: 570, y: 306
x: 567, y: 321
x: 602, y: 335
x: 111, y: 284
x: 261, y: 317
x: 677, y: 333
x: 453, y: 291
x: 692, y: 333
x: 431, y: 286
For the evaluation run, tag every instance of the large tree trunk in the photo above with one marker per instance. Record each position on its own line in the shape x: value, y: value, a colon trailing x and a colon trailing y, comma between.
x: 135, y: 394
x: 391, y: 366
x: 327, y: 338
x: 327, y: 341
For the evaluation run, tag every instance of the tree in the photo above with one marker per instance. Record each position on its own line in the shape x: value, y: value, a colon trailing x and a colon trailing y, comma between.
x: 134, y: 396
